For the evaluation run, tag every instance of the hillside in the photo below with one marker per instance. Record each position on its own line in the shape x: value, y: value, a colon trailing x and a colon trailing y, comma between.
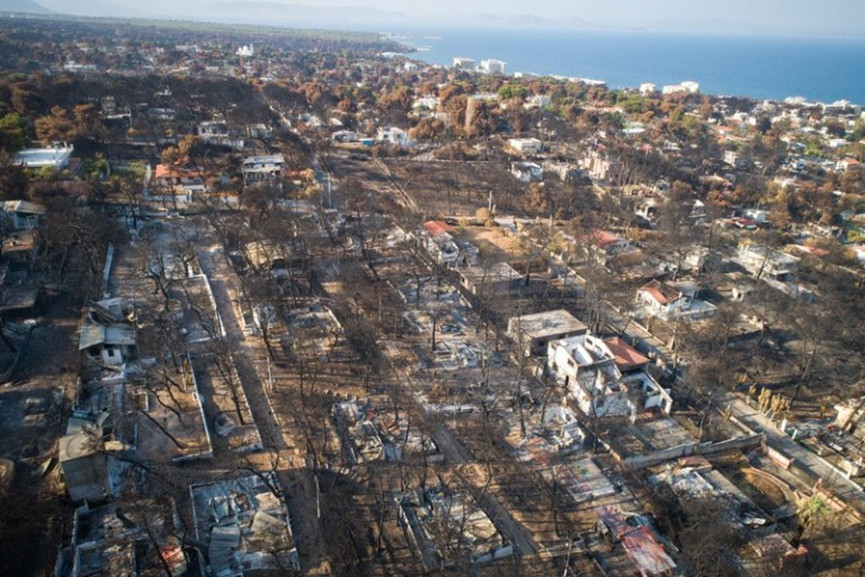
x: 23, y: 6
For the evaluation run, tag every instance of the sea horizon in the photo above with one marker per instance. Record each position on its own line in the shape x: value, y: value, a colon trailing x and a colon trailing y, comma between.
x: 750, y: 66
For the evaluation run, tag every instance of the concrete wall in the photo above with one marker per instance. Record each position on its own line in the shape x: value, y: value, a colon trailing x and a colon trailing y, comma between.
x: 86, y: 477
x: 657, y: 457
x: 778, y: 458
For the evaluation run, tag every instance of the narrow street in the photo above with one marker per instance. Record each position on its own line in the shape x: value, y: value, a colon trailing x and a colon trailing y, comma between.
x: 298, y: 482
x: 214, y: 264
x: 512, y: 530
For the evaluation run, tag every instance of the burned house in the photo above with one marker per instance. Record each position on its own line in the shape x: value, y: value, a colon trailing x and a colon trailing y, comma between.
x: 21, y: 248
x: 83, y: 459
x: 437, y: 239
x: 262, y: 168
x: 638, y: 538
x: 22, y: 214
x: 273, y: 258
x: 108, y: 333
x: 590, y: 372
x: 535, y: 331
x: 139, y: 539
x: 763, y: 262
x: 244, y: 524
x: 497, y: 279
x: 527, y: 171
x: 370, y: 432
x: 439, y: 518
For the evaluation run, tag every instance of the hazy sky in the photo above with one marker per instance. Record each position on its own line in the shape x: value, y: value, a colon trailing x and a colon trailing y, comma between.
x: 805, y: 16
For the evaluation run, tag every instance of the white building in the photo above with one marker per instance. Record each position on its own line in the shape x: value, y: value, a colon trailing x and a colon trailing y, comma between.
x: 464, y: 63
x: 108, y: 337
x: 427, y: 101
x: 765, y: 262
x: 527, y: 171
x: 672, y: 301
x: 262, y: 167
x: 688, y: 86
x: 600, y: 166
x: 484, y: 96
x: 246, y: 51
x: 526, y: 146
x: 393, y: 135
x: 538, y: 101
x: 216, y: 132
x: 648, y: 88
x: 731, y: 157
x: 438, y: 241
x: 588, y: 369
x: 345, y: 136
x: 492, y: 66
x: 535, y: 331
x: 758, y: 215
x: 56, y: 156
x: 489, y: 281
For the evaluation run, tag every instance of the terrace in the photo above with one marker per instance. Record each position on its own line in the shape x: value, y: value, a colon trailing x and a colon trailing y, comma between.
x: 535, y: 331
x: 56, y: 156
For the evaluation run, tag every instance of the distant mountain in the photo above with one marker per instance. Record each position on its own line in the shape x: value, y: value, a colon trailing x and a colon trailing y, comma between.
x: 95, y: 8
x: 23, y: 6
x: 744, y: 28
x: 297, y: 14
x: 271, y: 12
x: 531, y: 21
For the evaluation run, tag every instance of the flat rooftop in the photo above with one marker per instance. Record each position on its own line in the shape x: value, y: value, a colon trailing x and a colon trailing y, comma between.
x: 547, y: 324
x: 54, y: 157
x: 479, y: 275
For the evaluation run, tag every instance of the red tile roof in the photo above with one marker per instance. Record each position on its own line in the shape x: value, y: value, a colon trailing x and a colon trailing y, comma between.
x: 661, y: 292
x: 163, y: 171
x: 603, y: 238
x: 627, y: 357
x: 437, y: 227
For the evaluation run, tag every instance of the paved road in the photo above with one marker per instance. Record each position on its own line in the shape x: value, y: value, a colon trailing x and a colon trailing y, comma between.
x: 846, y: 489
x: 214, y: 264
x: 511, y: 529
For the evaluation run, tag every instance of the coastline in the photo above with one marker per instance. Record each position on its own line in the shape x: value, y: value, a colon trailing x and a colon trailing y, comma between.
x: 760, y: 68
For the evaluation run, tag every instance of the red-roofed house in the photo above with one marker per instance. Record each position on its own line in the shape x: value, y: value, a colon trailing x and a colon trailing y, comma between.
x: 669, y: 301
x: 605, y: 239
x: 438, y: 241
x: 437, y: 227
x: 627, y: 357
x: 847, y: 164
x: 606, y: 244
x: 638, y: 539
x: 180, y: 182
x: 814, y: 251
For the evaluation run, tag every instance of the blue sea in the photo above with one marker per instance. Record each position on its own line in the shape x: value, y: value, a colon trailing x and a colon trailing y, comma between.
x: 763, y: 68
